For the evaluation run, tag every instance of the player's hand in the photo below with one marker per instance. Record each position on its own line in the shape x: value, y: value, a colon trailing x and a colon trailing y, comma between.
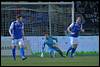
x: 82, y: 30
x: 72, y: 33
x: 12, y: 37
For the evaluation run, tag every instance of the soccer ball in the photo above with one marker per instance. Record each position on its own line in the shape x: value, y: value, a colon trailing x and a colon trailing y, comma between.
x: 42, y: 55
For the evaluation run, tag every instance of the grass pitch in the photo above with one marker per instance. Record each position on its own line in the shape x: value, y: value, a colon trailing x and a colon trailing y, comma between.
x: 47, y: 61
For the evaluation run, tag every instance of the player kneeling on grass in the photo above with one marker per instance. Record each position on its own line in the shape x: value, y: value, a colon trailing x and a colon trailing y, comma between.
x: 74, y: 30
x: 16, y: 31
x: 52, y: 45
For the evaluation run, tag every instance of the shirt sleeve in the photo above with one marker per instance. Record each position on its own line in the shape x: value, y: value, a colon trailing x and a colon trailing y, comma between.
x: 71, y: 24
x: 81, y: 26
x: 11, y: 26
x: 22, y: 25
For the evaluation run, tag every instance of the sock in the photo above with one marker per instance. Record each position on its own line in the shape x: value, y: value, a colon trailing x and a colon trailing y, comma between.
x: 13, y: 53
x: 22, y: 52
x: 68, y: 50
x: 73, y: 50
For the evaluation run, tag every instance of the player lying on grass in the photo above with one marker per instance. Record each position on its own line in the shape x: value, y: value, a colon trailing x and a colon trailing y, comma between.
x: 52, y: 45
x: 16, y: 31
x: 74, y: 30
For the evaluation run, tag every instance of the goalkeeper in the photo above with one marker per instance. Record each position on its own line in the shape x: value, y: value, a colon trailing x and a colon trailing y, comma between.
x: 52, y: 45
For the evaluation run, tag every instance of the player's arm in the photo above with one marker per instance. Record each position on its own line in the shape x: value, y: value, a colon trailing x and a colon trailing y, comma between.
x: 11, y: 29
x: 55, y: 39
x: 69, y: 28
x: 82, y: 28
x: 42, y: 54
x: 55, y: 42
x: 23, y: 30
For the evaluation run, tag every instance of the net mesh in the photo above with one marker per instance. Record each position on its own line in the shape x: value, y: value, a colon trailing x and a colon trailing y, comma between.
x: 38, y: 18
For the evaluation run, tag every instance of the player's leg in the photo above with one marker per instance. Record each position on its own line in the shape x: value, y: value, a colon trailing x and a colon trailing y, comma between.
x: 73, y: 49
x: 58, y: 50
x: 52, y: 53
x: 74, y: 46
x: 13, y: 46
x: 21, y: 44
x: 70, y: 48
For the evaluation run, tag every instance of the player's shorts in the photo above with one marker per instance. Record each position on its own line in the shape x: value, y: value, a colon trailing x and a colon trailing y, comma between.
x: 16, y: 42
x: 74, y: 41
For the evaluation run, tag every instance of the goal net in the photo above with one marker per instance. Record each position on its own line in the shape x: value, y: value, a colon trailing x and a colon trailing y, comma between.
x: 39, y: 17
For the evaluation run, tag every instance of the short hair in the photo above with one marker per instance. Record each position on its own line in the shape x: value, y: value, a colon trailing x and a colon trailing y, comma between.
x: 77, y: 17
x: 46, y: 33
x: 18, y: 16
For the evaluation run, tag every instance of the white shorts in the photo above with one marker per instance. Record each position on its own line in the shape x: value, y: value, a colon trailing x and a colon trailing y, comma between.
x: 16, y: 42
x: 73, y: 40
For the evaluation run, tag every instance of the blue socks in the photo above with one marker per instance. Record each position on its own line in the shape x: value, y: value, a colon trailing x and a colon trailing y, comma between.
x: 22, y: 52
x: 69, y: 50
x: 72, y: 52
x: 14, y: 53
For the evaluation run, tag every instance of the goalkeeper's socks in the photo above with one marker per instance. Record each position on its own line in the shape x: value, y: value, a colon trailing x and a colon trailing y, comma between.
x: 61, y: 53
x: 13, y: 53
x: 68, y: 51
x: 72, y: 52
x: 22, y: 52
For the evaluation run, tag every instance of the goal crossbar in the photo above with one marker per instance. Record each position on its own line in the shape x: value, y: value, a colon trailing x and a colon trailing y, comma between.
x: 13, y: 3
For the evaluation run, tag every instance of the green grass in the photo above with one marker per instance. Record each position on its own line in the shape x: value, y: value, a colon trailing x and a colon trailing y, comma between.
x: 82, y: 53
x: 47, y: 61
